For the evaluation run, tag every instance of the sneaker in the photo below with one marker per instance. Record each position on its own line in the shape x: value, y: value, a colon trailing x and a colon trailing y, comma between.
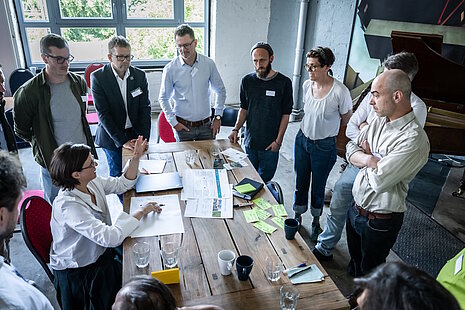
x: 316, y: 231
x: 321, y: 257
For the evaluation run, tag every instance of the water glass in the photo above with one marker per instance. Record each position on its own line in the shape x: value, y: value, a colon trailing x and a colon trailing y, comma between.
x: 190, y: 156
x: 288, y: 297
x: 169, y: 253
x: 274, y: 267
x: 141, y: 251
x: 214, y: 151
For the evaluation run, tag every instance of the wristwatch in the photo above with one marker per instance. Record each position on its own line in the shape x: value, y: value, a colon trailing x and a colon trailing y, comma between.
x: 217, y: 117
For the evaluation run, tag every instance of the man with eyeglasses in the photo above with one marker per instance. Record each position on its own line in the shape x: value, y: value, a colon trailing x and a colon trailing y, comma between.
x: 266, y: 103
x: 187, y: 80
x: 50, y: 109
x: 121, y: 98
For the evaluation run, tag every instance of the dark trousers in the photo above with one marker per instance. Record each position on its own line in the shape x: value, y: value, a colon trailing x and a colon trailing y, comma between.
x: 265, y: 162
x: 370, y: 240
x: 90, y: 287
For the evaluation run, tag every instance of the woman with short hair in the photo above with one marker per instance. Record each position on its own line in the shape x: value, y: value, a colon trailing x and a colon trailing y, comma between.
x: 87, y: 268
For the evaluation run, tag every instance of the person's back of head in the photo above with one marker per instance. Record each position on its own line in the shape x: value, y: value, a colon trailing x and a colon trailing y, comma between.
x: 402, y: 287
x: 404, y: 61
x: 144, y: 293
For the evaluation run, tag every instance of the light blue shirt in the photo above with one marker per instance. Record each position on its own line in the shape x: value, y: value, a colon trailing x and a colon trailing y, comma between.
x: 189, y: 87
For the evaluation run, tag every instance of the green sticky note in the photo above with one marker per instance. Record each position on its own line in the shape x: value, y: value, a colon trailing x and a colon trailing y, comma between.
x: 244, y: 188
x: 262, y: 214
x: 262, y: 203
x: 278, y: 221
x: 265, y: 227
x: 279, y: 210
x: 251, y: 216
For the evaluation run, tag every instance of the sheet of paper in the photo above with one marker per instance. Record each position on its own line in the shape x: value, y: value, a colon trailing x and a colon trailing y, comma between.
x: 262, y: 203
x: 279, y: 210
x: 169, y: 221
x: 244, y: 188
x: 309, y: 275
x: 205, y: 183
x: 151, y: 166
x: 251, y: 216
x: 209, y: 208
x: 262, y: 214
x: 235, y: 164
x: 265, y: 227
x: 234, y: 155
x: 279, y: 221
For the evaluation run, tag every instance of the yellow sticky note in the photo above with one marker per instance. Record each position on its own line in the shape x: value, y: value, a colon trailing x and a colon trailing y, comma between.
x: 278, y: 221
x: 262, y: 203
x: 262, y: 214
x: 250, y: 216
x: 279, y: 210
x: 244, y: 188
x: 265, y: 227
x: 168, y: 276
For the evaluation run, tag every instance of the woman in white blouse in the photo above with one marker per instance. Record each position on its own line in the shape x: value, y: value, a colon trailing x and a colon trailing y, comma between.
x: 327, y: 101
x: 86, y: 266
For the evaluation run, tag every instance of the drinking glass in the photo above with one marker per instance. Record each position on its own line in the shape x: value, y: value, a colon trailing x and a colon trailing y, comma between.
x: 141, y: 251
x: 288, y: 297
x: 274, y: 267
x: 190, y: 156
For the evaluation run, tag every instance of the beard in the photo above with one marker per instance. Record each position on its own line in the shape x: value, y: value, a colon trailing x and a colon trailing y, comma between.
x: 264, y: 74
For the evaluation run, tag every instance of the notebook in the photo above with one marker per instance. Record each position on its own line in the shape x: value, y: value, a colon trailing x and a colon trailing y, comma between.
x: 158, y: 182
x: 249, y: 195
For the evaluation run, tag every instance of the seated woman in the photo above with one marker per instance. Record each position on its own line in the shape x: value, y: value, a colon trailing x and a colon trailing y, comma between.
x: 87, y: 270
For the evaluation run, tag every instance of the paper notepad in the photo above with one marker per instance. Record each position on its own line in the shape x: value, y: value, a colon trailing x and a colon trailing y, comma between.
x: 152, y: 166
x: 244, y: 188
x: 307, y: 274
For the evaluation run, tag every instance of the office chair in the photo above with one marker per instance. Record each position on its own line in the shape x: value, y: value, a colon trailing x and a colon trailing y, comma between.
x: 35, y: 228
x: 165, y: 131
x: 229, y: 117
x: 18, y: 78
x: 276, y: 191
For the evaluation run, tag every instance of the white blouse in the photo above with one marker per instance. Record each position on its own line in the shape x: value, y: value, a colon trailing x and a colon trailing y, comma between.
x: 323, y: 116
x: 83, y: 230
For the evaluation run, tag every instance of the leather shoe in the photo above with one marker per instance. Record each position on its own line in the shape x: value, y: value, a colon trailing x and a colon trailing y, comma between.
x: 321, y: 257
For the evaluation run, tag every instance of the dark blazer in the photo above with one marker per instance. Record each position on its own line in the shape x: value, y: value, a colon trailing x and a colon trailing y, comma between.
x: 110, y: 107
x: 7, y: 130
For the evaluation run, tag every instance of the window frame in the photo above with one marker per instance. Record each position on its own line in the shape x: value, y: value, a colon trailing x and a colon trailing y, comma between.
x: 118, y: 21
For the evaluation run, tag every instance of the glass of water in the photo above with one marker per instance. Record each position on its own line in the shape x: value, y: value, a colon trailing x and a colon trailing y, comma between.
x: 190, y: 156
x: 288, y: 297
x: 274, y: 267
x: 141, y: 251
x: 169, y: 253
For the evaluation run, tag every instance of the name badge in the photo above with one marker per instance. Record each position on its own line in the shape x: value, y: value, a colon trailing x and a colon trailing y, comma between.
x: 270, y: 93
x: 136, y: 92
x: 194, y: 71
x: 458, y: 264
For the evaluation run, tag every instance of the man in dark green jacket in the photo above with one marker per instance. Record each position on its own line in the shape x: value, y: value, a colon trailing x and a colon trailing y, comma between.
x: 50, y: 109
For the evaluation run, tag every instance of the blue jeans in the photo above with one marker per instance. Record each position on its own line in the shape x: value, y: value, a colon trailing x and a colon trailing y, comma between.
x: 340, y: 202
x: 50, y: 190
x: 370, y: 240
x: 313, y: 160
x: 203, y: 132
x: 115, y: 161
x: 265, y: 162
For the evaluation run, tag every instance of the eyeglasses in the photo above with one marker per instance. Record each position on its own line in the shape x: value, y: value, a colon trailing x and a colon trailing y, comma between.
x: 311, y: 68
x: 60, y: 60
x: 187, y: 45
x: 123, y: 57
x: 93, y: 164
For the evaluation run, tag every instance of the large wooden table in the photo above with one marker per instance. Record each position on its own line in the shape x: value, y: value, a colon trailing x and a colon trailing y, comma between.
x: 200, y: 279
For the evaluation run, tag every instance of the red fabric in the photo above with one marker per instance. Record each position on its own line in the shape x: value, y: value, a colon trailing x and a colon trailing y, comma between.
x: 37, y: 217
x: 164, y: 129
x: 91, y: 68
x: 27, y: 194
x: 92, y: 118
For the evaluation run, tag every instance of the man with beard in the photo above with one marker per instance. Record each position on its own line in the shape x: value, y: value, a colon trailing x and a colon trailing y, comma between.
x: 266, y: 103
x: 121, y: 98
x: 49, y: 109
x: 187, y: 80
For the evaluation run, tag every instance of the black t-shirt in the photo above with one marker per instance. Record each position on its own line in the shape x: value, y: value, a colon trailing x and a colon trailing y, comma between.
x: 266, y: 101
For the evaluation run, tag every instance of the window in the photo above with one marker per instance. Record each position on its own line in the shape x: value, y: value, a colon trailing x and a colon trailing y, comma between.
x: 88, y: 26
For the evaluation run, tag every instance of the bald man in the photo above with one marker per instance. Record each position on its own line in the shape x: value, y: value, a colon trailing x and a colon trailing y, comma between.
x: 389, y: 152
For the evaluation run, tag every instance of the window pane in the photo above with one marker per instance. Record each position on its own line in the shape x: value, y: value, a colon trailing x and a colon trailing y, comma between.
x: 151, y: 43
x: 159, y: 9
x: 34, y: 10
x: 193, y: 10
x: 199, y: 35
x: 88, y: 43
x: 85, y: 9
x: 33, y: 38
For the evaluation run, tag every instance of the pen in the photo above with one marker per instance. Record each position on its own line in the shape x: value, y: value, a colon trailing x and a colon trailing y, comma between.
x: 301, y: 270
x: 300, y: 265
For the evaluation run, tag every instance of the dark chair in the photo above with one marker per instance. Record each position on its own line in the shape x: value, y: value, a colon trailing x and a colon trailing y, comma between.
x: 35, y: 227
x: 18, y: 78
x: 165, y: 131
x: 229, y: 117
x: 275, y: 189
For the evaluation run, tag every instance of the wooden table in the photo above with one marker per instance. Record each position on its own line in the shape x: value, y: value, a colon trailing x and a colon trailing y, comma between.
x: 200, y: 279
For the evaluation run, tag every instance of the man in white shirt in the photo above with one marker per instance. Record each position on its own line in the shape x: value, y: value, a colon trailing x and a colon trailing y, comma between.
x: 389, y: 152
x: 15, y: 291
x: 342, y: 197
x: 187, y: 80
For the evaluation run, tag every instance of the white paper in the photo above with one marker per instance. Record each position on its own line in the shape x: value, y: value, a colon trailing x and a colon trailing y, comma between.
x: 234, y: 155
x: 235, y: 164
x: 205, y: 183
x: 209, y: 208
x: 169, y: 221
x: 152, y: 166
